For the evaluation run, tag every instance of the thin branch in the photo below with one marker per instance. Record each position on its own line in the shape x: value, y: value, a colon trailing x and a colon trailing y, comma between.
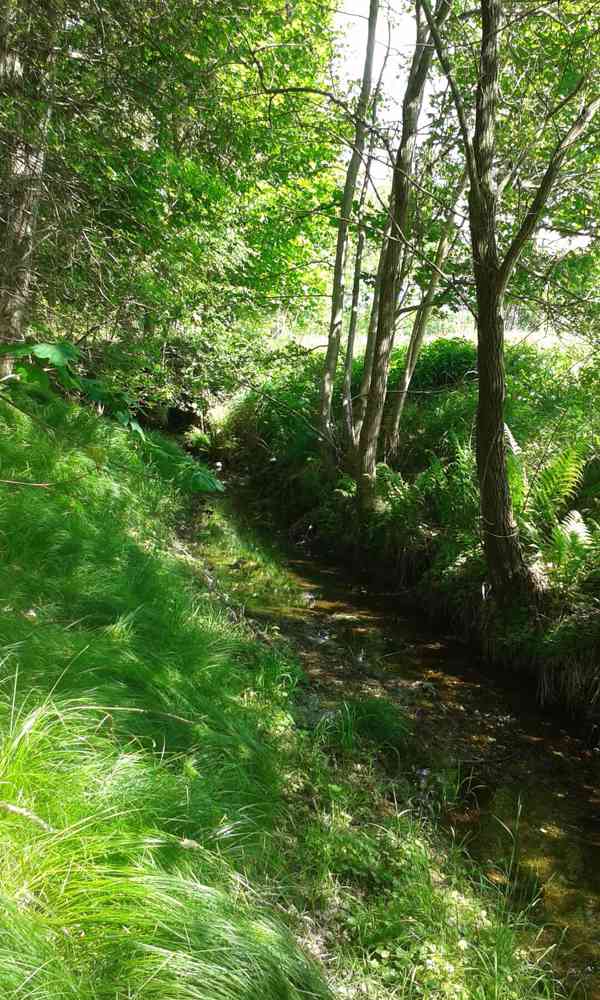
x: 512, y: 173
x: 536, y: 208
x: 446, y: 65
x: 44, y: 486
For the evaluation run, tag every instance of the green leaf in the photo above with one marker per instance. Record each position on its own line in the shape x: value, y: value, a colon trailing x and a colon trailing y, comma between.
x: 59, y: 355
x: 33, y: 375
x: 136, y: 428
x: 202, y: 480
x: 16, y: 350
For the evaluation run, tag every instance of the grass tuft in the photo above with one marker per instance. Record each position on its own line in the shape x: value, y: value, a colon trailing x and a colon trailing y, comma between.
x: 166, y: 831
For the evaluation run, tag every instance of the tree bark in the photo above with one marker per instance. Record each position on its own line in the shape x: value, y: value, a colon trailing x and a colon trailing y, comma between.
x: 22, y: 151
x: 506, y: 565
x: 338, y: 291
x: 504, y: 555
x: 352, y: 435
x: 422, y: 318
x: 347, y: 389
x: 400, y: 205
x: 365, y: 382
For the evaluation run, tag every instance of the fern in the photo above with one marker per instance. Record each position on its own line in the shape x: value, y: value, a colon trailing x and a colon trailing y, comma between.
x: 555, y: 485
x: 197, y: 478
x: 174, y: 465
x: 575, y: 529
x: 517, y: 478
x: 569, y: 549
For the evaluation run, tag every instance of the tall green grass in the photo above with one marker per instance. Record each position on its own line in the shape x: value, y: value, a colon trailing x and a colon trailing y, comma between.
x: 167, y: 831
x: 139, y: 776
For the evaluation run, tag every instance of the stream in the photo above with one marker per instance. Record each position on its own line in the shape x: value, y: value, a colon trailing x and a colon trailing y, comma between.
x: 529, y: 802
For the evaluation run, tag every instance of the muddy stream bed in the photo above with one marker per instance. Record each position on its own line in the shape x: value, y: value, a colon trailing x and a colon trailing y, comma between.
x: 530, y: 785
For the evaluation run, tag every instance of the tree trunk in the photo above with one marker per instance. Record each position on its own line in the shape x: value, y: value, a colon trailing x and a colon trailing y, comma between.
x: 422, y: 318
x: 365, y: 382
x: 22, y: 166
x: 386, y: 316
x: 507, y: 569
x: 347, y: 390
x: 352, y: 436
x: 19, y: 213
x: 338, y: 291
x: 506, y: 566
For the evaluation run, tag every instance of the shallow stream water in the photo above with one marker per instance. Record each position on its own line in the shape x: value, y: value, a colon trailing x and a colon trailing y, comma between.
x: 529, y: 802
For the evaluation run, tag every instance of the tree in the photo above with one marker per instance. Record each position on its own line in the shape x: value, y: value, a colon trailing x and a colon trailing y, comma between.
x: 338, y: 290
x: 422, y: 316
x: 27, y: 40
x: 393, y: 257
x: 509, y: 574
x: 148, y: 180
x: 353, y: 422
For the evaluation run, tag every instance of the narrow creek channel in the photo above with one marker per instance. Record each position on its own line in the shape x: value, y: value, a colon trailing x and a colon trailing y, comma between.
x: 530, y: 801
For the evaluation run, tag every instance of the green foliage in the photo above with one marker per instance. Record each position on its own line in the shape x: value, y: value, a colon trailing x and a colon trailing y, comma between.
x: 380, y: 722
x: 166, y: 827
x: 174, y: 193
x: 424, y: 533
x: 60, y: 355
x: 139, y: 761
x: 198, y: 440
x: 374, y: 720
x: 443, y: 363
x: 555, y: 484
x: 176, y: 467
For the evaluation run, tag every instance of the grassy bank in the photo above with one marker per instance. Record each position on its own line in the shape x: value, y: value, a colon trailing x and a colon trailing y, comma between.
x: 168, y: 831
x: 424, y: 536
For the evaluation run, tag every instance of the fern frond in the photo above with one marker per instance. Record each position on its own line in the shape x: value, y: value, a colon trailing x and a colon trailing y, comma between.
x: 556, y: 484
x: 575, y: 527
x: 569, y: 549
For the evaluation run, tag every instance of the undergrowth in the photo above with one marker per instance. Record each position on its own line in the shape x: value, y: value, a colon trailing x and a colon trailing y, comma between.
x: 167, y: 831
x: 424, y: 535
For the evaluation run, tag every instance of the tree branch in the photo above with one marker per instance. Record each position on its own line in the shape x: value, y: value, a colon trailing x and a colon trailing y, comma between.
x: 540, y: 199
x: 512, y: 173
x: 446, y: 65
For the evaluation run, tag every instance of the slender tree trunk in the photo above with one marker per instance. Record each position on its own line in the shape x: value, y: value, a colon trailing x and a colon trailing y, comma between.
x: 347, y: 390
x: 19, y: 210
x: 338, y: 292
x: 349, y: 419
x: 506, y: 565
x: 365, y: 382
x: 386, y: 317
x: 422, y: 318
x: 412, y: 354
x: 22, y: 159
x: 507, y: 569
